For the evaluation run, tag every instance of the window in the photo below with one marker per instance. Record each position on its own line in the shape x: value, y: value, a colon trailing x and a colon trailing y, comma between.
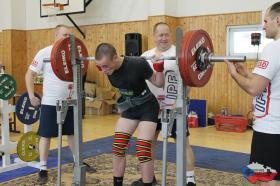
x: 239, y: 41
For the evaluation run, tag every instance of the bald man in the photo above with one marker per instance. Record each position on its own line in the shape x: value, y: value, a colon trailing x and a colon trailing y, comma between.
x: 167, y: 98
x: 53, y: 89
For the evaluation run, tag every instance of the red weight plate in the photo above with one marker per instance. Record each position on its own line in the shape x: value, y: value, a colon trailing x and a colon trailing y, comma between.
x: 61, y: 58
x: 187, y: 58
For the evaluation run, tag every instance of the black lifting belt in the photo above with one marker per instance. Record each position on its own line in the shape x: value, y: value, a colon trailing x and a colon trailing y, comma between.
x: 124, y: 103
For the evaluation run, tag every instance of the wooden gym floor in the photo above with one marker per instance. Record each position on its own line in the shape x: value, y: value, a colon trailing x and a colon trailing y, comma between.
x: 103, y: 126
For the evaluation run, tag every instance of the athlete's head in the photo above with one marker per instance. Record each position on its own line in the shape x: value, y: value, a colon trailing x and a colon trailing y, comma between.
x: 272, y: 21
x: 106, y: 58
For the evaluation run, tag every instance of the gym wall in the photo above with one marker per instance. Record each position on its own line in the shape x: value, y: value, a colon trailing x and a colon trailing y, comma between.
x: 13, y: 55
x: 220, y: 91
x: 1, y: 47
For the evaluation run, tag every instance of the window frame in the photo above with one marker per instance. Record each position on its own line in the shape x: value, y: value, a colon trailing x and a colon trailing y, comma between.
x: 231, y: 29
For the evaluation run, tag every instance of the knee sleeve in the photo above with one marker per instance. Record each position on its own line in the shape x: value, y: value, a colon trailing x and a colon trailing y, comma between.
x: 144, y: 150
x: 121, y: 143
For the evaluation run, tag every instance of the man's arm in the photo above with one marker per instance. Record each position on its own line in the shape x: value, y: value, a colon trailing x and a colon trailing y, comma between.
x: 154, y: 74
x: 157, y: 79
x: 253, y: 84
x: 30, y: 87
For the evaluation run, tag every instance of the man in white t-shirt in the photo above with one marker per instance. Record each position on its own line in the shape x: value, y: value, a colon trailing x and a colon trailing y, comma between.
x: 264, y: 84
x: 167, y: 96
x: 53, y: 89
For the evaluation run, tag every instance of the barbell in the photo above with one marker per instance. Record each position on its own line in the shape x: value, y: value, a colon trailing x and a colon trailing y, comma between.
x: 196, y: 58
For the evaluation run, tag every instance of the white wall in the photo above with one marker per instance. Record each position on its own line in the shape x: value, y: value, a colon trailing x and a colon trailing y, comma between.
x: 171, y: 7
x: 162, y: 7
x: 12, y: 14
x: 25, y: 14
x: 110, y: 11
x: 18, y: 14
x: 156, y: 7
x: 5, y: 14
x: 206, y: 7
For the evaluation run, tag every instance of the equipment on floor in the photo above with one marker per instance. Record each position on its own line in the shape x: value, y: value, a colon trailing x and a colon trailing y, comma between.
x: 27, y: 147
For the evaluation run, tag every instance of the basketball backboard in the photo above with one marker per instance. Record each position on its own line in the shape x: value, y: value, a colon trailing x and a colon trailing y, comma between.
x: 61, y: 7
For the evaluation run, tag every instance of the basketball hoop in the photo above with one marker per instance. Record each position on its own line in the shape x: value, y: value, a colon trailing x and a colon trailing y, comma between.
x: 57, y: 6
x: 61, y: 7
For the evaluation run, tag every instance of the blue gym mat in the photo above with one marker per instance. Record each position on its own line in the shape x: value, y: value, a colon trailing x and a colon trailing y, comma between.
x: 204, y: 157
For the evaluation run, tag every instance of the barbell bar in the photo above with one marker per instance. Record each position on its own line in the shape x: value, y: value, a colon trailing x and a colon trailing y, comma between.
x: 206, y: 57
x: 209, y: 57
x: 196, y: 58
